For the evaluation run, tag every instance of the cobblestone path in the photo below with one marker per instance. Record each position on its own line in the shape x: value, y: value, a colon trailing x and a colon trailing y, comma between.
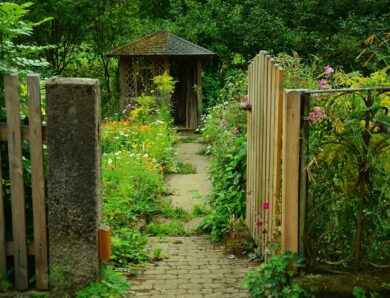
x: 192, y: 266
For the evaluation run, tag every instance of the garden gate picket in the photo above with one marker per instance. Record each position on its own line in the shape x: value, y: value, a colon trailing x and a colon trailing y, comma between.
x: 273, y: 165
x: 15, y: 134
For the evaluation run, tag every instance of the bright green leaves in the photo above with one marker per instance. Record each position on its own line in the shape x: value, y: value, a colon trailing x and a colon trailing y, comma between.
x: 15, y: 56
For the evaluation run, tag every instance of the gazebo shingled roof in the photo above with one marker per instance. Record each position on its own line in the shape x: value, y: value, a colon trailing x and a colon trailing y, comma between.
x: 161, y: 43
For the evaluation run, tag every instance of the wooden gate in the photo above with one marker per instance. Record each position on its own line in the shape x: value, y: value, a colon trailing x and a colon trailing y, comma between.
x: 15, y: 244
x: 274, y: 119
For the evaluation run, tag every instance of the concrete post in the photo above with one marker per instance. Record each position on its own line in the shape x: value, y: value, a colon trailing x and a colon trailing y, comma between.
x: 74, y: 183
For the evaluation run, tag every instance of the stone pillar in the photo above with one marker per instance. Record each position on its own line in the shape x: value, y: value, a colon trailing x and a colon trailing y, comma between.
x: 74, y: 183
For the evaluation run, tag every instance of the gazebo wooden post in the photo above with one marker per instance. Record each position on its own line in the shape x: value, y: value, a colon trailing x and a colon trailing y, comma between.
x: 199, y: 94
x: 123, y: 82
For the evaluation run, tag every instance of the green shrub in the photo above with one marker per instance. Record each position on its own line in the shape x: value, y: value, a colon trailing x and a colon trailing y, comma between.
x: 224, y: 130
x: 112, y: 285
x: 128, y: 246
x: 273, y: 279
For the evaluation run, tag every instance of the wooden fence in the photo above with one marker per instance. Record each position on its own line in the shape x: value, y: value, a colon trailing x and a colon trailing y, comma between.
x: 273, y: 162
x: 15, y: 135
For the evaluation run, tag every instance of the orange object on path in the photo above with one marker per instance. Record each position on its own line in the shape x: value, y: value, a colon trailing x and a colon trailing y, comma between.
x: 104, y: 242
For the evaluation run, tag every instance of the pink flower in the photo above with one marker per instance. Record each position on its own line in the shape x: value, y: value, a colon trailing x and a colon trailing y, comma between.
x: 315, y: 94
x: 323, y: 84
x: 317, y: 114
x: 224, y: 122
x: 328, y: 69
x: 266, y: 206
x: 259, y: 223
x: 245, y: 101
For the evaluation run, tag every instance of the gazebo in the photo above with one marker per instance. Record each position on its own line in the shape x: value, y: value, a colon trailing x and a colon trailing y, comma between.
x: 152, y: 55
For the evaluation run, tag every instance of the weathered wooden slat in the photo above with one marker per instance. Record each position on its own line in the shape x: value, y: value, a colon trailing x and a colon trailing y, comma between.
x: 290, y: 203
x: 3, y: 256
x: 278, y: 113
x: 262, y: 148
x: 16, y: 178
x: 270, y: 164
x: 25, y: 133
x: 265, y: 148
x: 10, y: 249
x: 255, y: 128
x: 249, y: 195
x: 259, y: 141
x: 37, y: 182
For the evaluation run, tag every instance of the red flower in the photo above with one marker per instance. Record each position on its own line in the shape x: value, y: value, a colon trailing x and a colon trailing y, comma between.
x: 266, y: 206
x: 264, y: 231
x: 259, y: 223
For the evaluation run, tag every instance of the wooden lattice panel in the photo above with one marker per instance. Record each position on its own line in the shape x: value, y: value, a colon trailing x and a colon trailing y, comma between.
x: 131, y: 81
x: 159, y: 68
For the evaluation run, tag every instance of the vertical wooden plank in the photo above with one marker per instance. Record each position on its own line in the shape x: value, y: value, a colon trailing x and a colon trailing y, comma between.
x: 16, y: 177
x: 266, y: 150
x: 262, y: 171
x: 271, y: 149
x: 255, y: 112
x: 3, y: 255
x: 291, y: 133
x: 278, y: 114
x: 249, y: 217
x: 259, y: 117
x: 253, y: 138
x: 37, y: 182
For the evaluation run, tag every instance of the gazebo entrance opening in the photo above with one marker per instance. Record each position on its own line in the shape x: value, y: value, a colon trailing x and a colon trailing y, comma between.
x: 185, y: 106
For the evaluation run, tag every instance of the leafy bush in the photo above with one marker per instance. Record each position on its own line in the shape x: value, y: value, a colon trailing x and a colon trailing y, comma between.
x: 128, y: 246
x: 225, y: 131
x: 273, y: 279
x: 112, y: 285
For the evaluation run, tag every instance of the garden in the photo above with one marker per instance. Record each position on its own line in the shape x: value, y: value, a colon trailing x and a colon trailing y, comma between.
x: 346, y: 234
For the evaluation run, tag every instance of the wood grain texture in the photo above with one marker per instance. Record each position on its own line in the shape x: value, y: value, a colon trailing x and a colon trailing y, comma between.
x: 16, y: 179
x: 265, y: 141
x: 290, y: 203
x: 248, y: 217
x: 37, y: 182
x: 3, y: 256
x: 24, y: 130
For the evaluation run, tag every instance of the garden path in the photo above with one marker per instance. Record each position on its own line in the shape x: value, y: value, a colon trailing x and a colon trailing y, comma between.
x: 193, y: 266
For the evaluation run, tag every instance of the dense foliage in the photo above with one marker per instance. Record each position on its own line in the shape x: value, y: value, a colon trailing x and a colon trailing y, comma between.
x: 274, y: 278
x: 225, y: 131
x: 136, y: 152
x: 112, y: 285
x: 333, y: 32
x: 348, y: 212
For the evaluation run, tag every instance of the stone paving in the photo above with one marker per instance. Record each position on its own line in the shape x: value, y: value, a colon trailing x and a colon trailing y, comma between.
x: 192, y: 266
